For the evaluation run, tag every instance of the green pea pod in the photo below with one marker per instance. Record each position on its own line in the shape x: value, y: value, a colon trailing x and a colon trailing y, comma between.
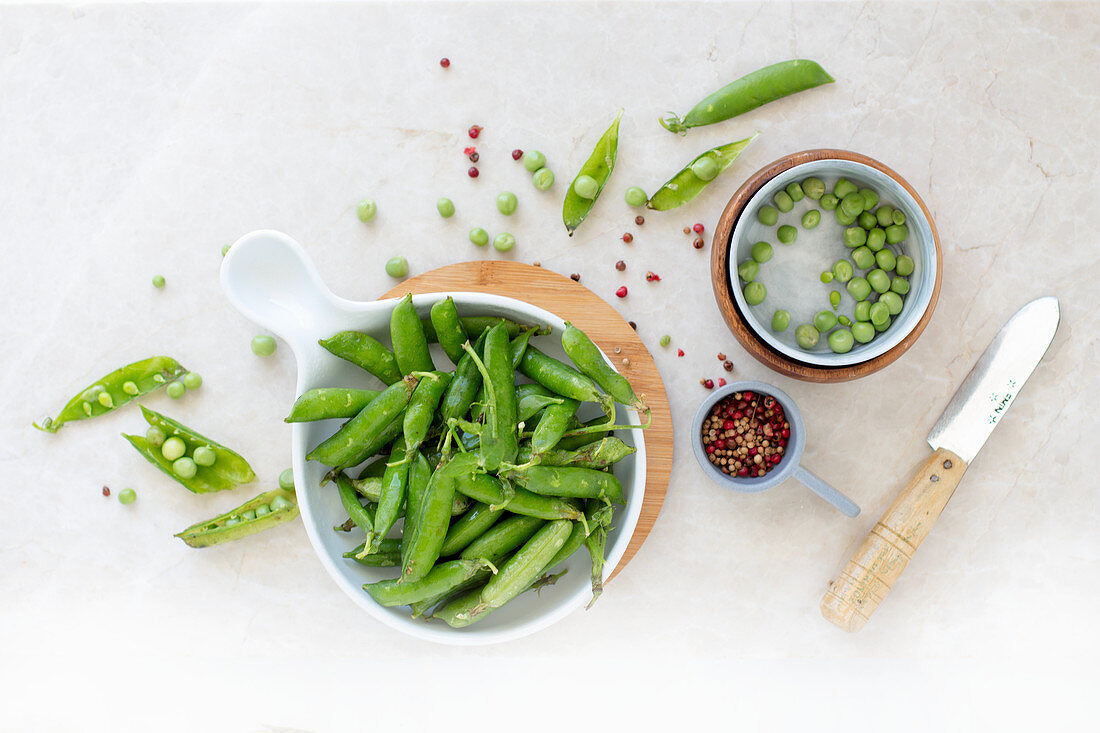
x: 591, y: 362
x: 388, y: 556
x: 476, y: 325
x: 433, y: 516
x: 558, y: 377
x: 443, y: 578
x: 410, y: 346
x: 462, y: 390
x: 420, y: 475
x: 751, y: 91
x: 395, y: 480
x: 575, y: 442
x: 685, y: 185
x: 531, y: 398
x: 448, y: 329
x: 348, y: 442
x: 349, y: 499
x: 330, y: 402
x: 281, y: 506
x: 492, y: 491
x: 573, y: 542
x: 380, y: 441
x: 229, y: 469
x: 518, y: 346
x: 505, y: 536
x: 366, y: 352
x: 599, y: 166
x: 369, y: 481
x: 469, y: 527
x: 550, y: 429
x: 457, y: 611
x: 598, y: 517
x: 526, y: 565
x: 600, y: 454
x: 422, y: 407
x: 116, y: 389
x: 499, y: 437
x: 568, y: 481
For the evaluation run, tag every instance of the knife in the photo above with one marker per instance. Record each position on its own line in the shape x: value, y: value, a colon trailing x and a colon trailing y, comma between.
x: 978, y: 406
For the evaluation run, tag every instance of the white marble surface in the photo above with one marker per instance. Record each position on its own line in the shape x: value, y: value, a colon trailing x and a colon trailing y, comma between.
x: 136, y: 140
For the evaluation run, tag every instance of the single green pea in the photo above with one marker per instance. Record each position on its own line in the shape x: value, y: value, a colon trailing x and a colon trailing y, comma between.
x: 827, y: 277
x: 863, y: 310
x: 636, y: 196
x: 761, y: 252
x: 880, y: 313
x: 155, y: 437
x: 786, y: 234
x: 192, y: 380
x: 783, y: 201
x: 892, y: 301
x: 225, y: 249
x: 885, y: 216
x: 842, y: 270
x: 479, y: 236
x: 880, y: 327
x: 852, y: 204
x: 748, y: 270
x: 806, y: 336
x: 844, y: 187
x: 504, y: 242
x: 834, y: 298
x: 905, y: 266
x: 897, y: 216
x: 280, y: 503
x: 533, y: 160
x: 843, y: 218
x: 811, y: 219
x: 794, y: 190
x: 507, y: 202
x: 867, y: 220
x: 263, y: 510
x: 840, y: 341
x: 781, y: 319
x: 184, y: 467
x: 876, y: 239
x: 896, y: 233
x: 204, y: 456
x: 248, y: 514
x: 863, y: 332
x: 286, y: 479
x: 855, y: 237
x: 666, y: 340
x: 127, y: 496
x: 899, y: 285
x: 870, y: 198
x: 445, y: 207
x: 767, y: 215
x: 175, y: 390
x: 844, y: 320
x: 543, y: 179
x: 397, y: 266
x: 263, y: 345
x: 705, y: 169
x: 878, y: 280
x: 366, y: 209
x: 824, y: 320
x: 586, y: 186
x: 158, y: 281
x: 814, y: 188
x: 105, y: 399
x: 173, y: 448
x: 232, y: 521
x: 755, y: 293
x: 886, y: 260
x: 859, y: 288
x: 863, y: 258
x: 829, y: 201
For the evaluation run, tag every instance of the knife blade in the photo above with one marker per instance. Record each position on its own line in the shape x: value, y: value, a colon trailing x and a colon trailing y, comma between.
x: 977, y: 407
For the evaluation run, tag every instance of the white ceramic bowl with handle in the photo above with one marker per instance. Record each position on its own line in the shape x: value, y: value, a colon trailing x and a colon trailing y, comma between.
x: 271, y: 280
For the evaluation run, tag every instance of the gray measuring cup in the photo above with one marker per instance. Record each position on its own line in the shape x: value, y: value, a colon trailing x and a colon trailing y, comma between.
x: 787, y: 468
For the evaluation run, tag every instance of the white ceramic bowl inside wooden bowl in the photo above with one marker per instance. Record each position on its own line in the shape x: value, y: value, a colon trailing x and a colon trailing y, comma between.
x: 271, y: 280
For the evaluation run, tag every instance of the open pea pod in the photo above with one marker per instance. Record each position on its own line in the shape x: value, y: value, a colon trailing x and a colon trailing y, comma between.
x: 598, y: 166
x: 686, y: 185
x: 265, y: 511
x: 229, y: 468
x: 116, y: 389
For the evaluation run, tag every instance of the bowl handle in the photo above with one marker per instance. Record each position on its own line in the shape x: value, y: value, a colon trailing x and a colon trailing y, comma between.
x: 826, y: 492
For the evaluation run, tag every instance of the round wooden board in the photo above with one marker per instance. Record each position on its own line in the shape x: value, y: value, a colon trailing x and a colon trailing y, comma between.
x: 577, y: 304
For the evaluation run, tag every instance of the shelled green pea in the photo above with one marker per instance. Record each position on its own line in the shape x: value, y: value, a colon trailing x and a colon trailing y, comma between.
x: 786, y: 234
x: 755, y: 293
x: 814, y: 188
x: 806, y: 336
x: 811, y: 219
x: 781, y: 319
x: 761, y: 252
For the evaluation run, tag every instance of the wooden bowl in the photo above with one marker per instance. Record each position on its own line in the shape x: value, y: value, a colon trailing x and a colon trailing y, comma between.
x: 735, y: 319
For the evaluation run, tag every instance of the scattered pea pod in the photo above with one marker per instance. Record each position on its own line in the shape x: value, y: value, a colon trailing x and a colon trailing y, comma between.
x: 366, y: 352
x: 598, y: 168
x: 265, y: 511
x: 228, y: 470
x: 687, y: 184
x: 751, y: 91
x: 116, y: 389
x: 330, y: 402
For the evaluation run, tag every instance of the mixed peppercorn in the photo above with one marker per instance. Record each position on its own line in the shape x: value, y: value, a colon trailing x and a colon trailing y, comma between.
x: 746, y: 434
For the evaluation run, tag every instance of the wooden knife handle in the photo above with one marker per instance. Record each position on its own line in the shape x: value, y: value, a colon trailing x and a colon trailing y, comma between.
x: 861, y: 586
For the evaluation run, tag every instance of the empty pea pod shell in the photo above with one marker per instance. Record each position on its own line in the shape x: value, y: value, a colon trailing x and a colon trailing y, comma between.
x: 599, y: 166
x: 685, y: 185
x: 751, y: 91
x: 110, y: 392
x: 282, y: 503
x: 228, y: 471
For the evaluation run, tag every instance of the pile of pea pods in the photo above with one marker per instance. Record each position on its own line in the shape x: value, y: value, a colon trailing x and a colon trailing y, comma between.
x: 498, y: 482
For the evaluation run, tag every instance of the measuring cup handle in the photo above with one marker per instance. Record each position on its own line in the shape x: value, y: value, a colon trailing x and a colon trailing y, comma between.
x: 826, y: 492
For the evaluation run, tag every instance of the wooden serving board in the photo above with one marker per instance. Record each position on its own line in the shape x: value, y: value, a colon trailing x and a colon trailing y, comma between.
x: 577, y: 304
